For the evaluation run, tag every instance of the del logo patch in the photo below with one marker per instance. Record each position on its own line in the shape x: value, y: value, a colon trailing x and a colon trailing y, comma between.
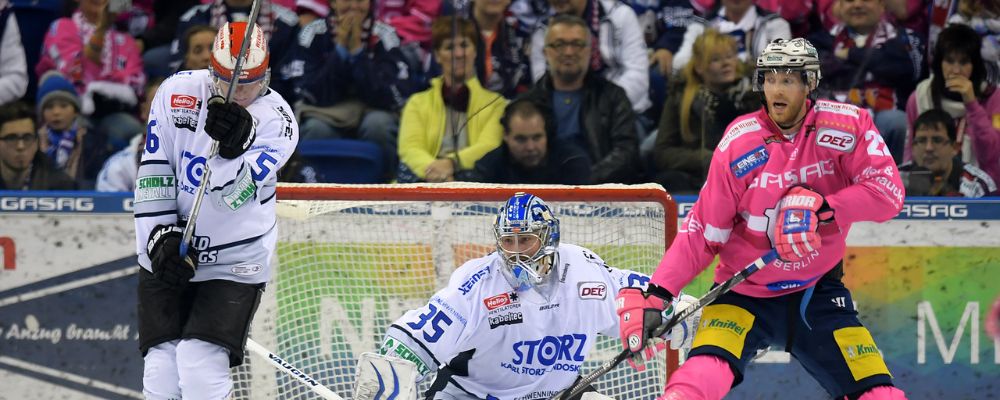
x: 593, y: 290
x: 836, y: 140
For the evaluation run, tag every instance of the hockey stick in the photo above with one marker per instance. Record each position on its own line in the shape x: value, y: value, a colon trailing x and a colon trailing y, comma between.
x: 296, y: 373
x: 709, y: 297
x: 233, y: 82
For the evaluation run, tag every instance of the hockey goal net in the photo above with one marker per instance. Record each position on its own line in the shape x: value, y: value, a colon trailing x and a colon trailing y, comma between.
x: 353, y: 258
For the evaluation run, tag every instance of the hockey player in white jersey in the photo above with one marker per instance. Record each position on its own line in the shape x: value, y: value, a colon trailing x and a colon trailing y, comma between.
x: 519, y: 322
x: 195, y: 310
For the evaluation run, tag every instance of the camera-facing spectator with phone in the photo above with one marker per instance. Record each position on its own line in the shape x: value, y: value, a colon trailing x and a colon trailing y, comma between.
x: 104, y: 66
x: 935, y: 170
x: 22, y: 165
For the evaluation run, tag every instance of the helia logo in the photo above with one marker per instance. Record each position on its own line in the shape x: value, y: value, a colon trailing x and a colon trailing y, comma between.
x: 724, y: 324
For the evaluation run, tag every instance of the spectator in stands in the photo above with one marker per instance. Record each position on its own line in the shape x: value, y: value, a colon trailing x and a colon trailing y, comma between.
x: 984, y: 18
x: 105, y: 66
x: 120, y: 170
x: 154, y: 43
x: 751, y: 25
x: 352, y: 78
x: 22, y: 165
x: 13, y: 70
x: 411, y: 18
x: 445, y: 129
x: 868, y: 62
x: 935, y: 169
x: 618, y: 51
x: 959, y: 86
x: 311, y: 10
x: 501, y: 50
x: 62, y: 130
x: 527, y: 155
x: 710, y: 92
x: 280, y: 26
x: 198, y: 42
x: 587, y: 109
x: 796, y: 12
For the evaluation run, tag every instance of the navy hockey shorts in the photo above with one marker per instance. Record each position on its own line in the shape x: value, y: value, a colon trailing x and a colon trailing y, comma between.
x: 819, y: 327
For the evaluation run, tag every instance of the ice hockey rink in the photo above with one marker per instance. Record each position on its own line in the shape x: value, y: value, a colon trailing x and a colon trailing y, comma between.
x: 922, y: 283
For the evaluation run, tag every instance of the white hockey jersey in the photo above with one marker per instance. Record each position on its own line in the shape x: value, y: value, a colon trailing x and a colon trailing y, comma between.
x: 235, y: 232
x: 494, y: 343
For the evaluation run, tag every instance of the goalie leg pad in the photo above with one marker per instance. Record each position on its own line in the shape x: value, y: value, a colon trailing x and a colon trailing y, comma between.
x: 701, y: 377
x: 159, y: 372
x: 163, y: 311
x: 203, y: 369
x: 384, y: 377
x: 221, y: 314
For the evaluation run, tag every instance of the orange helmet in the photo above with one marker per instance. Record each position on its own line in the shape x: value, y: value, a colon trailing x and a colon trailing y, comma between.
x: 254, y: 72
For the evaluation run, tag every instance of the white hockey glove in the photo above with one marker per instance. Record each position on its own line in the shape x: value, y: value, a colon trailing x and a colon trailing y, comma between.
x: 381, y: 377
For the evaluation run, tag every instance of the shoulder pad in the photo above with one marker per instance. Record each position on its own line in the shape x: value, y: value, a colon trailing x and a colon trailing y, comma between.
x: 737, y: 129
x: 309, y: 32
x: 191, y: 12
x: 287, y: 16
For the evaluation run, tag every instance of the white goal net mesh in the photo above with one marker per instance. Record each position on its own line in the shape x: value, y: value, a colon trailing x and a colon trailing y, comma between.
x: 348, y: 268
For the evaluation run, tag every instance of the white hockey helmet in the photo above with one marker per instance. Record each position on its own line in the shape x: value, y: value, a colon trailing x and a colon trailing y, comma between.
x: 788, y: 55
x: 255, y: 73
x: 527, y: 236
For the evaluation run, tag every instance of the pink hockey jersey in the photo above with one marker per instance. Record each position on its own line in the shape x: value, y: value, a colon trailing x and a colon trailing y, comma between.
x: 837, y: 152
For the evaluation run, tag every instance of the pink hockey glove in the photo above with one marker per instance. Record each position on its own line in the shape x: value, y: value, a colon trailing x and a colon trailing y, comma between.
x: 800, y: 212
x: 639, y: 314
x: 993, y: 320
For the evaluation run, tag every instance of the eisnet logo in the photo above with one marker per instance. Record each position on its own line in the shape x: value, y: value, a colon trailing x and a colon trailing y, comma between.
x: 592, y: 290
x: 749, y: 161
x: 85, y: 204
x: 468, y: 284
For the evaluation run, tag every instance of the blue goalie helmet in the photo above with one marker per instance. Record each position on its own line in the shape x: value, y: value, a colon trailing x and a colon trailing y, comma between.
x: 527, y: 235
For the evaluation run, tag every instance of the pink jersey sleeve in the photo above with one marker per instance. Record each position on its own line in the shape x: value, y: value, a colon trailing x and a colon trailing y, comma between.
x: 62, y: 50
x: 911, y: 115
x: 876, y: 193
x: 705, y: 229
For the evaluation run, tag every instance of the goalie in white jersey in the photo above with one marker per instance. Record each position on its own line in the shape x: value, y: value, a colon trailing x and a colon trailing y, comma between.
x: 195, y: 310
x: 519, y: 322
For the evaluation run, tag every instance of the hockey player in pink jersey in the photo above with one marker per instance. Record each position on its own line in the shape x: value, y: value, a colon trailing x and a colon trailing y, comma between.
x: 792, y: 176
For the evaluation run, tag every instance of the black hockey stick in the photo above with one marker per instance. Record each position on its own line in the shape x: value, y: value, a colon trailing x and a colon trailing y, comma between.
x: 234, y: 81
x: 709, y: 297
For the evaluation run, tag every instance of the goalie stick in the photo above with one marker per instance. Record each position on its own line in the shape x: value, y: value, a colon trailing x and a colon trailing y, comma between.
x: 709, y: 297
x: 234, y: 81
x: 289, y: 369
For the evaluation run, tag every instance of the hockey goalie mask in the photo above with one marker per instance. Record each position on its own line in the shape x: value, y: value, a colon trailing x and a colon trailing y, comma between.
x: 796, y: 55
x: 254, y: 74
x: 527, y: 235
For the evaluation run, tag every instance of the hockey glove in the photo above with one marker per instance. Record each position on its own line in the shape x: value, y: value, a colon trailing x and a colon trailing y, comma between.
x: 163, y: 249
x: 800, y: 212
x: 231, y: 125
x: 639, y: 314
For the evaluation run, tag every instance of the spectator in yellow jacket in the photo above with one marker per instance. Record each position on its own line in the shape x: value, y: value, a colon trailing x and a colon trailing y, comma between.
x: 444, y: 130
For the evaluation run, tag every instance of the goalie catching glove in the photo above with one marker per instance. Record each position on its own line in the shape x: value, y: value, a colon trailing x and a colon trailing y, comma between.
x: 231, y: 125
x: 640, y: 313
x: 163, y: 248
x: 800, y: 212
